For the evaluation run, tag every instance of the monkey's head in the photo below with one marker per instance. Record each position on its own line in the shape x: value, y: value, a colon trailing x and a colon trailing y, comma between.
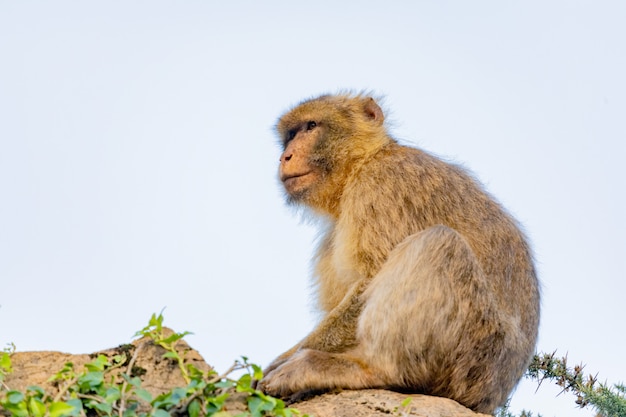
x: 324, y: 141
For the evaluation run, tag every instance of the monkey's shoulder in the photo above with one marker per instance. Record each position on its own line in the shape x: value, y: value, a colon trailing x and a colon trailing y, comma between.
x: 403, y: 173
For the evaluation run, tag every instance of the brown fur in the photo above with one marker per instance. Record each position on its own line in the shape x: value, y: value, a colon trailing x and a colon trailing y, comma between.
x: 426, y: 283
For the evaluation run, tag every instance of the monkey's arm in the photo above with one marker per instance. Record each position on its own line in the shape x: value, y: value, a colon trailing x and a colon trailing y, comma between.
x: 337, y: 330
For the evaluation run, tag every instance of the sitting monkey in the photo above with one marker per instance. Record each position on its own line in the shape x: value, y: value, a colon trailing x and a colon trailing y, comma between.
x: 427, y: 285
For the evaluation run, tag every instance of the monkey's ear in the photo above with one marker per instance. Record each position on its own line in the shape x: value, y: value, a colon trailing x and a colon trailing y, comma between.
x: 373, y: 111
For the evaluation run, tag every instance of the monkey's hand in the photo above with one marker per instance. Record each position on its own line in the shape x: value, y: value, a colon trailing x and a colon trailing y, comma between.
x: 256, y: 384
x: 299, y: 377
x: 276, y: 363
x: 283, y: 378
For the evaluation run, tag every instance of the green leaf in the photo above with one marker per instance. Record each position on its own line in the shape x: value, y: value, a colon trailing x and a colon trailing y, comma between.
x: 154, y: 327
x: 194, y: 372
x: 255, y: 404
x: 91, y: 380
x: 179, y: 393
x: 215, y: 404
x: 36, y: 390
x: 225, y: 384
x: 60, y: 409
x: 161, y: 413
x: 16, y: 410
x: 259, y: 404
x: 134, y: 381
x: 194, y: 408
x: 36, y: 407
x: 104, y: 407
x: 5, y: 362
x: 117, y: 359
x: 157, y: 321
x: 66, y: 373
x: 175, y: 337
x: 244, y: 383
x: 170, y: 399
x: 143, y: 394
x: 195, y: 384
x: 15, y: 397
x: 98, y: 364
x: 77, y: 404
x: 112, y: 394
x: 172, y: 355
x: 258, y: 372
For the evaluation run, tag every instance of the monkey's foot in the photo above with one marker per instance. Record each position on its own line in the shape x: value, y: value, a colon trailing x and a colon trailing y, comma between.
x: 280, y: 381
x: 316, y: 371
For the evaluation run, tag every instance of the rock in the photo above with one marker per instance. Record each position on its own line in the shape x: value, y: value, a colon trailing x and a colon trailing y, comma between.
x: 374, y: 403
x: 160, y: 375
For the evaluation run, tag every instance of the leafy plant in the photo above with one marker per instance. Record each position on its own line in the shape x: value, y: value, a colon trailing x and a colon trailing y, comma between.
x: 154, y: 331
x: 5, y: 364
x: 607, y: 401
x: 110, y: 387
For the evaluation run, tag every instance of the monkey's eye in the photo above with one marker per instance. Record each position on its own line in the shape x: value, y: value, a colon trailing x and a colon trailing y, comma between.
x: 290, y: 135
x: 311, y: 125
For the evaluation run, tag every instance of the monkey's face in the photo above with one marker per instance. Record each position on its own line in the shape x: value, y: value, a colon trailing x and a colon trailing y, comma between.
x: 323, y: 140
x: 297, y: 171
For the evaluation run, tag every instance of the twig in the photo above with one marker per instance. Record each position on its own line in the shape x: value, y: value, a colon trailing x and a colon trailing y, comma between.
x: 64, y: 389
x: 235, y: 366
x: 125, y: 384
x: 91, y: 397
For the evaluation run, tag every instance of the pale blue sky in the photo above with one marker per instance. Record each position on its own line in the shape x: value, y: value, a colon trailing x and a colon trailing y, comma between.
x: 138, y: 163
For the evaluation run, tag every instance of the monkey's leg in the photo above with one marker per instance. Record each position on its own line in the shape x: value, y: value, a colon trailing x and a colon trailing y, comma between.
x: 431, y: 323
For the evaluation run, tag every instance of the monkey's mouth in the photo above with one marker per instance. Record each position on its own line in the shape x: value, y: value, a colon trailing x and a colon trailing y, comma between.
x: 288, y: 177
x: 291, y: 181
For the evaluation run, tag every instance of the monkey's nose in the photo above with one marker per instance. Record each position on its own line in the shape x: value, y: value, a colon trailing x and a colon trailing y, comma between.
x: 286, y: 158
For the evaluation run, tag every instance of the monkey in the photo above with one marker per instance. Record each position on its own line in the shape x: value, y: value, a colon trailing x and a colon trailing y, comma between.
x: 425, y: 283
